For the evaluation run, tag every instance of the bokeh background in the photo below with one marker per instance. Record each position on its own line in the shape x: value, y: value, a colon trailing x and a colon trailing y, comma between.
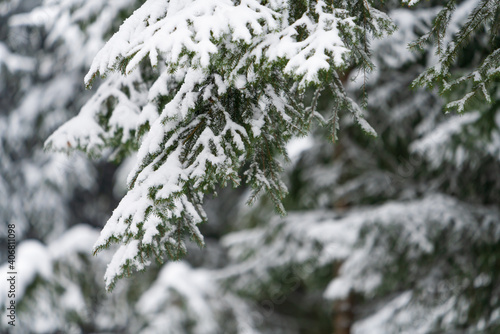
x: 394, y: 234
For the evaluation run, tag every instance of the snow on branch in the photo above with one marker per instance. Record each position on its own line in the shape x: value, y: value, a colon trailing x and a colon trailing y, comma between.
x: 199, y: 88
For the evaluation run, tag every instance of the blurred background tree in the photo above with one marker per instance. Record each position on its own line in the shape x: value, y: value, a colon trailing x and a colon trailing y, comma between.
x: 398, y: 234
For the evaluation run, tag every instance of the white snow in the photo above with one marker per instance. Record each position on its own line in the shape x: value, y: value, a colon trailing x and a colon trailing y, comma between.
x: 298, y: 145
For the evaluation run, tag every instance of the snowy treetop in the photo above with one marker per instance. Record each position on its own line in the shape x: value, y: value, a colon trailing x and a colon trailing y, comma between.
x: 188, y: 33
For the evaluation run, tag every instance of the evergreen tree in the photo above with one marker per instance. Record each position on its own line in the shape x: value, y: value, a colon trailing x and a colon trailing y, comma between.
x: 34, y: 183
x: 399, y: 232
x: 408, y: 224
x: 44, y: 49
x: 224, y: 85
x: 42, y: 62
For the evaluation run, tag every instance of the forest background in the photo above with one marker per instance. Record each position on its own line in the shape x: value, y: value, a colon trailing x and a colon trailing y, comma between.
x: 398, y: 233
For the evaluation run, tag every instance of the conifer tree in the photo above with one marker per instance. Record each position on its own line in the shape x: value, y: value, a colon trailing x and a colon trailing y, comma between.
x: 402, y: 226
x: 200, y: 89
x: 44, y: 49
x: 42, y: 63
x: 451, y: 34
x: 408, y: 224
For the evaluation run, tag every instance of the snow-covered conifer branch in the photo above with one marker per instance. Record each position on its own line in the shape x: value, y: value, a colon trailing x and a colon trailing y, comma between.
x: 451, y: 35
x: 199, y: 88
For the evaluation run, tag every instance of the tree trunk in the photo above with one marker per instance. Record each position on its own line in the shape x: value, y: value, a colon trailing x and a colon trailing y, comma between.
x: 343, y: 315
